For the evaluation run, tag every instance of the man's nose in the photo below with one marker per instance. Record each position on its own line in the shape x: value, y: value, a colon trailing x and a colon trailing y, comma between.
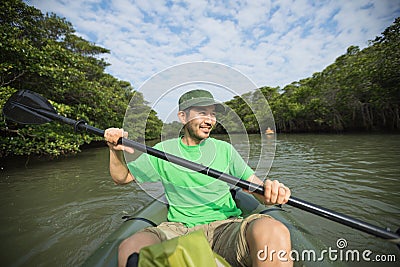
x: 209, y: 118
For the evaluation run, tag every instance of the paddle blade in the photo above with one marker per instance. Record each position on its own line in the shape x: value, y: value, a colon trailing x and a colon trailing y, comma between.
x: 24, y: 107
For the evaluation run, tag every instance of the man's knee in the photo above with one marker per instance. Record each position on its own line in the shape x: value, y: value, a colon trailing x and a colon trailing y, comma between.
x: 139, y: 240
x: 134, y: 244
x: 267, y: 229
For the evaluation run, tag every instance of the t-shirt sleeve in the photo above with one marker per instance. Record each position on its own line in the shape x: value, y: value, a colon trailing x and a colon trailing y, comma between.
x: 238, y: 167
x: 144, y: 169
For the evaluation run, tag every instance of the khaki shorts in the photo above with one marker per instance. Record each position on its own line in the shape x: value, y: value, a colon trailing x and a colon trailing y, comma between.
x: 226, y: 237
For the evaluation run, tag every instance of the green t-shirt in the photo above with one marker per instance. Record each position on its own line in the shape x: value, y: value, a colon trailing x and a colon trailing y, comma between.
x: 194, y: 198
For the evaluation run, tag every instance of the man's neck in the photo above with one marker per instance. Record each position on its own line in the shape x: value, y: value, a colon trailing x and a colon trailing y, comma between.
x: 187, y: 140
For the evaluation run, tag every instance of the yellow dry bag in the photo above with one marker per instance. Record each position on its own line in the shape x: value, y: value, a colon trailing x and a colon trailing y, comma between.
x: 190, y: 250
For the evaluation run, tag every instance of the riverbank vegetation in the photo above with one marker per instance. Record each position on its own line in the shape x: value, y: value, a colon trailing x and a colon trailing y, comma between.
x: 42, y: 53
x: 360, y: 91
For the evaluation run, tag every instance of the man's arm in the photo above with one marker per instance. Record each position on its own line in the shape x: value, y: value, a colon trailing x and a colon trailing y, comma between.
x: 274, y: 191
x: 118, y: 169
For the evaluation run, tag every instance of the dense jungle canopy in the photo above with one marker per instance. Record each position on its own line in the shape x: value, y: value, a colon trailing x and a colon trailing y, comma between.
x: 41, y: 52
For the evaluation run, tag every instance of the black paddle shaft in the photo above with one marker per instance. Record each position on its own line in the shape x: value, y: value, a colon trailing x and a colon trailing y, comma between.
x: 82, y: 126
x: 43, y: 108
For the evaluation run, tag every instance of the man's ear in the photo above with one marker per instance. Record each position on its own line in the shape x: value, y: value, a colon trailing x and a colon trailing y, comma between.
x: 182, y: 116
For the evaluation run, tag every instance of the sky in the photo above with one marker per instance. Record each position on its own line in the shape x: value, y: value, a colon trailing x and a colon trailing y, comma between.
x: 272, y: 43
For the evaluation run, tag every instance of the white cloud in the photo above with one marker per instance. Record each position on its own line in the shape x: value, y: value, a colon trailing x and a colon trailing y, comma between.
x: 272, y: 42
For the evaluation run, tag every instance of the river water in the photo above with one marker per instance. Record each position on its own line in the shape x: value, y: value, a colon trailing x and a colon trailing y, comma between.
x: 56, y: 213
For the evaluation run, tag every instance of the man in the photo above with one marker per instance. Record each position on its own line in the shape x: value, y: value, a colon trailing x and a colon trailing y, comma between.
x: 197, y: 201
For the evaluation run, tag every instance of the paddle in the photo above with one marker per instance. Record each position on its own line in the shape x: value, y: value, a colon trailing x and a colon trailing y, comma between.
x: 26, y: 107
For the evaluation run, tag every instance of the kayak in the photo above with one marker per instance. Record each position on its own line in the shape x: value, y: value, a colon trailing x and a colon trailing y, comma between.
x: 156, y: 212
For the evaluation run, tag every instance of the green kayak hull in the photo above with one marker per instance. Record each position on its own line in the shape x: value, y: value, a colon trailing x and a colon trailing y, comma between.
x: 156, y: 211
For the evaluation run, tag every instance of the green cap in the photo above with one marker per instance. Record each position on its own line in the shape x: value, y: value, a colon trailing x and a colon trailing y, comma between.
x: 199, y: 98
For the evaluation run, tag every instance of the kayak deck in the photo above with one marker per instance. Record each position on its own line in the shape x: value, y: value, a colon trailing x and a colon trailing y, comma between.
x: 106, y: 254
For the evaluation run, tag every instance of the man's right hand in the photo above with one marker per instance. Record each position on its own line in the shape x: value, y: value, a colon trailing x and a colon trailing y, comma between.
x: 112, y: 135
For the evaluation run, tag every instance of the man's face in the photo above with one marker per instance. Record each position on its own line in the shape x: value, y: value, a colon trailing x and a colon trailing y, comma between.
x: 200, y: 121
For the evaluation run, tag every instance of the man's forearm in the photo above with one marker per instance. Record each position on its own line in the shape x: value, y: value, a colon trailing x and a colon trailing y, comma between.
x: 118, y: 169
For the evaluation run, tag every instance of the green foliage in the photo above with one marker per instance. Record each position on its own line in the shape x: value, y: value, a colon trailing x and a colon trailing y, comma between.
x: 140, y: 120
x: 248, y: 112
x: 172, y: 130
x: 42, y: 53
x: 153, y: 126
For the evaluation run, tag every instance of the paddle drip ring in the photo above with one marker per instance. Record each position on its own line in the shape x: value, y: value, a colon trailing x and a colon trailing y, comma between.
x: 77, y: 123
